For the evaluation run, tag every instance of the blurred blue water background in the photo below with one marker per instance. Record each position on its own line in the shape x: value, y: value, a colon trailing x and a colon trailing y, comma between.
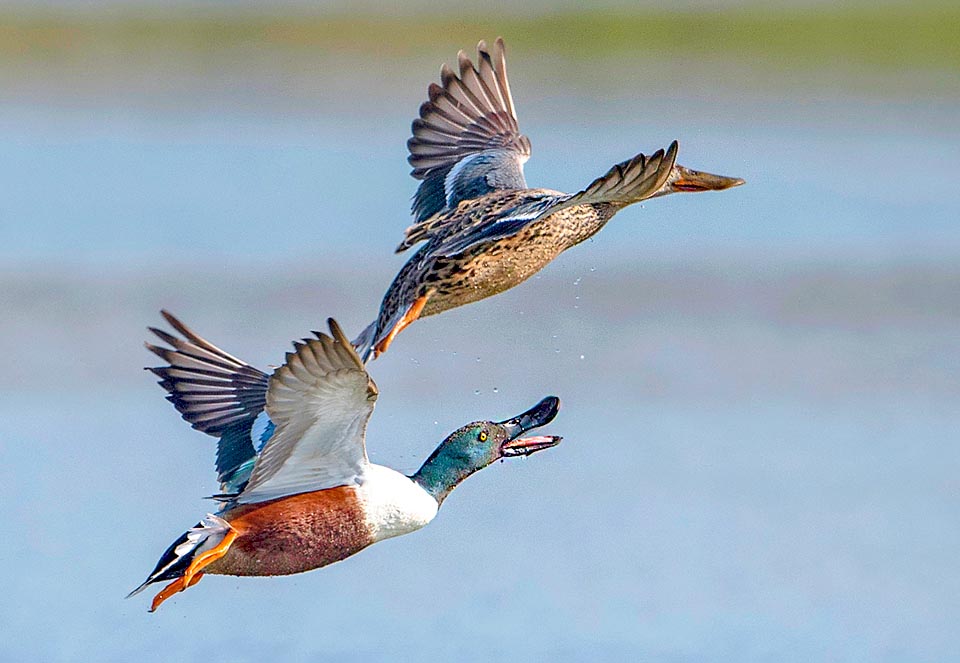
x: 760, y: 387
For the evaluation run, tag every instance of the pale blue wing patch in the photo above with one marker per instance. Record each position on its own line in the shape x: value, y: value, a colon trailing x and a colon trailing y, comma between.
x: 466, y: 142
x: 234, y: 479
x: 261, y: 431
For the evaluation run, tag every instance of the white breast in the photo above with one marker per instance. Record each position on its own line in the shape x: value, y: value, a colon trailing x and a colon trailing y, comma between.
x: 393, y: 504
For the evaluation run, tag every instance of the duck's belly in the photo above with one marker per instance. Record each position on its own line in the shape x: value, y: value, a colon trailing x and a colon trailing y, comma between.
x: 295, y: 534
x: 491, y: 270
x: 310, y: 530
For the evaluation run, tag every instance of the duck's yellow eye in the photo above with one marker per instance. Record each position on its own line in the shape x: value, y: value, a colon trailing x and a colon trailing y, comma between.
x: 483, y: 436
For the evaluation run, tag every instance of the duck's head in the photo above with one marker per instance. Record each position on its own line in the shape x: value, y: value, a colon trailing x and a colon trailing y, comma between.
x: 687, y: 180
x: 484, y: 442
x: 477, y: 445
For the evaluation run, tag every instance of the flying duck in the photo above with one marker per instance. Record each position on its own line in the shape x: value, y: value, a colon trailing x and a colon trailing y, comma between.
x: 482, y: 229
x: 297, y: 491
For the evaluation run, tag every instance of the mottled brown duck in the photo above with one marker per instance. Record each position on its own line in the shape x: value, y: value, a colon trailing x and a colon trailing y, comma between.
x: 483, y: 230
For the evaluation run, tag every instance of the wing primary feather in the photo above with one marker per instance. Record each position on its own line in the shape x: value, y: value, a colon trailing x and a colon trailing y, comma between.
x: 196, y: 338
x: 500, y: 69
x: 215, y: 392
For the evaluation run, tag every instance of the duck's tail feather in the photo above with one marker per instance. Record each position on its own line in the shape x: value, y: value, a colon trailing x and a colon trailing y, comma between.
x: 177, y: 558
x: 365, y: 341
x: 184, y: 560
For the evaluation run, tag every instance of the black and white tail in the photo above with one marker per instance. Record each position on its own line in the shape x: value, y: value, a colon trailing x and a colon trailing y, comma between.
x: 175, y: 561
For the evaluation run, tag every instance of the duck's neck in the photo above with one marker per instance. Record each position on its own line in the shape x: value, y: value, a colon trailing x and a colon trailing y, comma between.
x: 441, y: 473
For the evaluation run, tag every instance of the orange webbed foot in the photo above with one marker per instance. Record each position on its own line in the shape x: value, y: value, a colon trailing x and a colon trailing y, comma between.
x: 412, y: 314
x: 193, y: 573
x: 177, y: 585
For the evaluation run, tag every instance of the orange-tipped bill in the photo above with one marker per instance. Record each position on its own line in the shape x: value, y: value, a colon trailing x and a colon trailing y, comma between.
x: 695, y: 180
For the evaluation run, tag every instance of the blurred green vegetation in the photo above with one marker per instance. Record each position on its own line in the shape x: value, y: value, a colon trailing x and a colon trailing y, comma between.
x: 885, y: 37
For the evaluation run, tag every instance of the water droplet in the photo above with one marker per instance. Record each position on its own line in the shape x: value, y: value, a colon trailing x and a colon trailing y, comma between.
x: 478, y: 360
x: 581, y: 356
x: 476, y: 392
x: 496, y: 391
x: 436, y: 423
x: 593, y: 269
x: 557, y: 350
x: 577, y: 281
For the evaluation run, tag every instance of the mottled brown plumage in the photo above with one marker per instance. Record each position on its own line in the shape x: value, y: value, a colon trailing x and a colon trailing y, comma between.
x: 489, y: 268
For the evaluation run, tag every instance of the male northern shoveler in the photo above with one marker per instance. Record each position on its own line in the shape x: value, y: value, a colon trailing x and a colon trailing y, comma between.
x: 309, y: 497
x: 485, y: 231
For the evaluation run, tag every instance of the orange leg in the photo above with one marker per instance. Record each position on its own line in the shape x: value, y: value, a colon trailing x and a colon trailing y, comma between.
x: 177, y: 585
x: 412, y: 314
x: 193, y: 573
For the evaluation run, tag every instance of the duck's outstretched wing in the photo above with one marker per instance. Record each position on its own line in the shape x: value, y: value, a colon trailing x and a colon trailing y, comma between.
x: 625, y: 183
x: 216, y: 393
x: 320, y: 401
x: 466, y: 141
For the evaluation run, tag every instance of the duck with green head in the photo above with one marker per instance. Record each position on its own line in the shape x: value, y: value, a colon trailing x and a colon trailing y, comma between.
x: 308, y: 496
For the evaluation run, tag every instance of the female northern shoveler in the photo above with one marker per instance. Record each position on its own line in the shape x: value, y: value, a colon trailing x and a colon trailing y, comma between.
x: 485, y: 231
x: 309, y: 497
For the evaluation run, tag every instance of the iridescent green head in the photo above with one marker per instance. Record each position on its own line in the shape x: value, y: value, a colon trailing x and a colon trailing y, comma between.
x: 474, y: 446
